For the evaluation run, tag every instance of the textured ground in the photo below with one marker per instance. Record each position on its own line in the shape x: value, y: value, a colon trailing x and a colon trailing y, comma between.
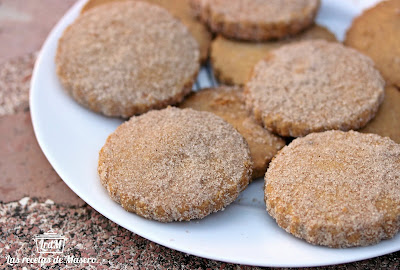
x: 25, y: 173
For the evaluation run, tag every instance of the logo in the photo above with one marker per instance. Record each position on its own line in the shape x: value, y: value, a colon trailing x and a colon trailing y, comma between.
x: 50, y: 242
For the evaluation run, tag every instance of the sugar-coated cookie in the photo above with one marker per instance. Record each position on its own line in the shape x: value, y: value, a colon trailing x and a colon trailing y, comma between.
x: 125, y: 58
x: 181, y: 9
x: 228, y: 103
x: 312, y: 86
x: 337, y: 189
x: 376, y: 33
x: 233, y: 60
x: 256, y: 19
x: 175, y: 164
x: 387, y: 120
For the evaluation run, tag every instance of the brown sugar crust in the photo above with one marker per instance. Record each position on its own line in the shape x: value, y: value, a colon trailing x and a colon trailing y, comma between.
x: 227, y: 102
x: 180, y: 9
x: 312, y: 86
x: 337, y: 189
x: 174, y: 164
x: 233, y: 60
x: 387, y: 120
x: 257, y: 20
x: 125, y: 58
x: 376, y: 33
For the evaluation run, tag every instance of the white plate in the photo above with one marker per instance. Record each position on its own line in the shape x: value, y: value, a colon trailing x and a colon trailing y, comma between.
x: 71, y: 136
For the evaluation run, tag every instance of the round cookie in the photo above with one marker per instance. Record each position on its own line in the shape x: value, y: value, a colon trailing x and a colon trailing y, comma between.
x: 313, y: 86
x: 174, y: 164
x: 125, y: 58
x: 256, y: 19
x: 337, y: 189
x: 387, y: 120
x: 376, y: 33
x: 227, y: 102
x: 233, y: 60
x: 181, y: 9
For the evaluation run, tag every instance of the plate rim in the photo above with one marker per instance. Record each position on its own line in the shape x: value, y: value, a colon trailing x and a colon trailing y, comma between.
x: 52, y: 160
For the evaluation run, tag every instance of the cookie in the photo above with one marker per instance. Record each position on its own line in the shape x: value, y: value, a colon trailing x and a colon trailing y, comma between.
x: 233, y: 60
x: 174, y: 164
x: 337, y: 189
x: 256, y: 20
x: 376, y: 33
x: 227, y: 102
x: 125, y: 58
x: 312, y: 86
x: 181, y: 9
x: 387, y: 120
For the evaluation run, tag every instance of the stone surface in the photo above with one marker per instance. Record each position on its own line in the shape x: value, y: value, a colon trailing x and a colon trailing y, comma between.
x: 15, y: 78
x: 24, y: 24
x: 24, y: 170
x: 90, y: 235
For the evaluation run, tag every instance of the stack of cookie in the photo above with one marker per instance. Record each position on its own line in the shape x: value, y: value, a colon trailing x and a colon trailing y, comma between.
x: 331, y: 186
x: 376, y: 33
x: 126, y: 58
x: 247, y: 30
